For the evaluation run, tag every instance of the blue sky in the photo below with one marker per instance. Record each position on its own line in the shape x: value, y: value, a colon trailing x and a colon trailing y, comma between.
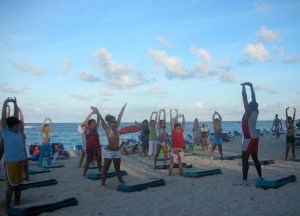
x: 58, y: 58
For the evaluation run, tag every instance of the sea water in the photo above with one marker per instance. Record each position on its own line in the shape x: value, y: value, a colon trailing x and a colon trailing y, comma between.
x: 68, y: 135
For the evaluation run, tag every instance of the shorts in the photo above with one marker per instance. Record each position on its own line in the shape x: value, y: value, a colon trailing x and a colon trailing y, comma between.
x: 290, y: 139
x: 112, y: 154
x: 14, y: 173
x: 250, y: 145
x: 177, y: 155
x: 217, y: 141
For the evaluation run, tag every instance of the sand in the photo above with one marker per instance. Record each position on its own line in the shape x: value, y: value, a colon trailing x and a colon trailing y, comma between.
x: 210, y: 195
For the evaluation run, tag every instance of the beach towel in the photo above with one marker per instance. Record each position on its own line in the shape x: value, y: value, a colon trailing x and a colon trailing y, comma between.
x: 34, y: 172
x: 40, y: 207
x: 141, y: 184
x: 197, y: 174
x: 275, y: 181
x: 166, y: 166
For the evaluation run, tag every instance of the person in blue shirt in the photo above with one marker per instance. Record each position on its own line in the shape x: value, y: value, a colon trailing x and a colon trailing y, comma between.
x: 14, y: 154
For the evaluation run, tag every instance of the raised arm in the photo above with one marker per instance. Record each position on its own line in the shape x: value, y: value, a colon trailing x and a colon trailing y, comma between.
x: 252, y: 91
x: 220, y: 117
x: 213, y: 117
x: 120, y: 115
x: 183, y: 122
x: 51, y: 124
x: 286, y: 116
x: 22, y: 118
x: 4, y: 114
x: 96, y: 111
x: 16, y: 109
x: 88, y: 118
x: 244, y: 96
x: 294, y: 114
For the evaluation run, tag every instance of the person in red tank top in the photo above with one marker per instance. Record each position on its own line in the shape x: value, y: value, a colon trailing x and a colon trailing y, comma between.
x: 177, y: 143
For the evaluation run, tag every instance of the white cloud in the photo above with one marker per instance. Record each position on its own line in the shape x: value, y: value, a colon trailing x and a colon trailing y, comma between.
x: 84, y: 76
x: 163, y: 42
x: 105, y: 92
x: 173, y: 65
x: 230, y: 77
x: 81, y: 97
x: 66, y: 66
x: 158, y: 90
x: 267, y: 35
x: 28, y: 69
x: 203, y: 69
x: 257, y: 52
x: 224, y: 65
x: 121, y: 76
x: 6, y: 89
x: 262, y: 6
x: 262, y: 87
x: 287, y: 59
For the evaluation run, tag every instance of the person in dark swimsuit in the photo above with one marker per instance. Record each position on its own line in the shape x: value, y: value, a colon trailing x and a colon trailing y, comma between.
x: 290, y: 134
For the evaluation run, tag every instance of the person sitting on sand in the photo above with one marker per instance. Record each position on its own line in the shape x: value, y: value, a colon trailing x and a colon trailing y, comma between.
x: 63, y: 152
x: 112, y: 153
x: 36, y: 151
x: 123, y: 147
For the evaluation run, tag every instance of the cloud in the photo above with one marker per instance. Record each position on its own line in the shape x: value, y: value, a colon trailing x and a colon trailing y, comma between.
x: 262, y: 6
x: 6, y: 89
x: 174, y: 66
x: 163, y: 42
x: 245, y: 62
x: 105, y: 92
x: 81, y: 97
x: 28, y: 69
x: 230, y: 77
x: 261, y: 87
x: 66, y: 66
x: 257, y: 52
x: 267, y: 35
x: 203, y: 69
x: 224, y: 65
x: 88, y: 77
x: 120, y: 76
x: 197, y: 105
x: 287, y: 59
x: 158, y: 90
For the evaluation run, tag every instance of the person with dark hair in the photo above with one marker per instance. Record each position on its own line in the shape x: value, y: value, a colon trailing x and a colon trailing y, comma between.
x: 275, y: 126
x: 14, y: 153
x: 45, y: 147
x: 112, y: 153
x: 93, y: 148
x: 177, y: 143
x: 81, y: 129
x: 152, y: 135
x: 144, y: 137
x: 163, y: 136
x: 251, y: 137
x: 290, y: 134
x: 217, y: 140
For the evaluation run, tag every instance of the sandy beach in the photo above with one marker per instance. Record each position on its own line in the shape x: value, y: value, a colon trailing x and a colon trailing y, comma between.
x: 209, y: 195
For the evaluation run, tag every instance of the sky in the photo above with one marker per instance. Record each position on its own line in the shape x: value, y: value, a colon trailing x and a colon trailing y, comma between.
x: 59, y: 58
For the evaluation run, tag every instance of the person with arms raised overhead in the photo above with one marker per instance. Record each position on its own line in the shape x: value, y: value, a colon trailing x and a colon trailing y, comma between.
x: 46, y: 147
x: 14, y: 153
x: 112, y: 153
x: 93, y: 148
x: 290, y: 134
x: 251, y: 137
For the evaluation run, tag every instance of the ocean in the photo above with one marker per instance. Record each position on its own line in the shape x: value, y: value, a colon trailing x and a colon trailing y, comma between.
x: 68, y: 135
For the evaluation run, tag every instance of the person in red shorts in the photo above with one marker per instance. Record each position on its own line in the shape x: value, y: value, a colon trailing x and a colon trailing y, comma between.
x: 251, y: 137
